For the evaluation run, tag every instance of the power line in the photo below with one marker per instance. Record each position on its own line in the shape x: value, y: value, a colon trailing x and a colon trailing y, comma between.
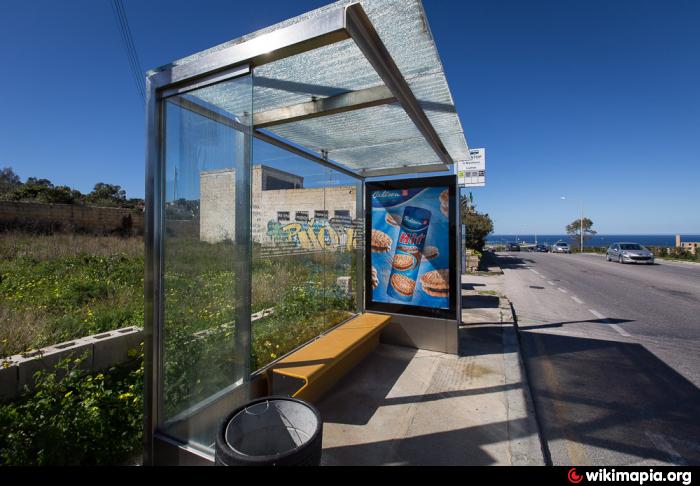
x: 129, y: 48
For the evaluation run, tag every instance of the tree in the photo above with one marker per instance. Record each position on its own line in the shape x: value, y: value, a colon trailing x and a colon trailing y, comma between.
x: 33, y: 181
x: 9, y: 181
x: 574, y: 229
x: 108, y: 194
x: 479, y: 225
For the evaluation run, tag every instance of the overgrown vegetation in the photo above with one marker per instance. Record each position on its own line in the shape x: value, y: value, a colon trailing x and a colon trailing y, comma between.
x: 64, y: 286
x: 201, y: 341
x: 59, y: 287
x: 74, y: 418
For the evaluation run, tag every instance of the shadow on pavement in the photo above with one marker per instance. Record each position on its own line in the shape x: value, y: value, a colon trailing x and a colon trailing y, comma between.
x: 611, y: 395
x: 463, y: 446
x: 480, y: 339
x: 480, y: 302
x: 470, y: 286
x: 384, y: 369
x: 607, y: 320
x: 513, y: 262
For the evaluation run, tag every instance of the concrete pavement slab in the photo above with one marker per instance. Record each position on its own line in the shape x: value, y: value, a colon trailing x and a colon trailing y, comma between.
x: 403, y: 406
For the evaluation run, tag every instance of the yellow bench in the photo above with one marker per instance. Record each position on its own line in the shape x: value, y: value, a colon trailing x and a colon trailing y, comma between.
x: 311, y: 370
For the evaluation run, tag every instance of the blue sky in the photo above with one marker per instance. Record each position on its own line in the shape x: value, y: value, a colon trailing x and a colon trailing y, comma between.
x: 596, y: 100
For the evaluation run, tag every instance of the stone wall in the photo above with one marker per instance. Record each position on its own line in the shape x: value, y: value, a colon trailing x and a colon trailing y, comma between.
x: 69, y: 217
x: 300, y: 205
x: 217, y: 205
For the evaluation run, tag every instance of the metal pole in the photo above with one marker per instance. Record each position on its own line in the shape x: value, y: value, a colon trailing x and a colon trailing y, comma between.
x: 581, y: 226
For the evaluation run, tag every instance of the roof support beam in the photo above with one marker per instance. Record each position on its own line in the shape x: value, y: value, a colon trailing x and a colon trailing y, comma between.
x: 231, y: 122
x: 307, y: 155
x: 327, y: 28
x: 353, y: 100
x: 390, y: 171
x: 365, y: 36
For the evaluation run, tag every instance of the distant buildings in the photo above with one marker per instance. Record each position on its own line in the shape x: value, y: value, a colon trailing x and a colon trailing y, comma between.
x: 284, y: 212
x: 691, y: 246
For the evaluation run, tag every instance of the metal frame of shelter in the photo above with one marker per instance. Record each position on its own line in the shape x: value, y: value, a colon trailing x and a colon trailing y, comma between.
x: 242, y: 58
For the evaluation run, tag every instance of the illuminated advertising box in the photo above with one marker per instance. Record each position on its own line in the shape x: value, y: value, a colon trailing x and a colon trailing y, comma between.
x: 410, y: 246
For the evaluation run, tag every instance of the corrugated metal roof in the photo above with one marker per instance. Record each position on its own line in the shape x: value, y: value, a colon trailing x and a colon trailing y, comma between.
x: 369, y: 139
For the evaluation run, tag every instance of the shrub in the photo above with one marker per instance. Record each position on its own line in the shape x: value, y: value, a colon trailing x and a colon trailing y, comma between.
x: 75, y: 418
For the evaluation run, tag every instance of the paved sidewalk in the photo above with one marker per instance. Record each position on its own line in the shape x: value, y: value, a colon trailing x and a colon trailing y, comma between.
x: 403, y: 406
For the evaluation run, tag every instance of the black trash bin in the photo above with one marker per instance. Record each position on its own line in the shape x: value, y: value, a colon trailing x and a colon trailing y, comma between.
x: 271, y: 431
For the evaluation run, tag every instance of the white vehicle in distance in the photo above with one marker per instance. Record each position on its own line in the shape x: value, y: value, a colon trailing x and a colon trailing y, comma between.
x: 629, y: 253
x: 560, y: 247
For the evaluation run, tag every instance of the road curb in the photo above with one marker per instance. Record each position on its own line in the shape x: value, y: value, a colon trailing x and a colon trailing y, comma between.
x: 544, y: 449
x: 525, y: 437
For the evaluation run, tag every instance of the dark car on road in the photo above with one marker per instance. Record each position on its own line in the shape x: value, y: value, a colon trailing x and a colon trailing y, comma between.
x: 512, y: 247
x: 541, y: 248
x: 629, y: 253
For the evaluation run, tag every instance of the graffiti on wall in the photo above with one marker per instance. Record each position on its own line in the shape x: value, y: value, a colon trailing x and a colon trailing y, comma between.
x: 316, y: 234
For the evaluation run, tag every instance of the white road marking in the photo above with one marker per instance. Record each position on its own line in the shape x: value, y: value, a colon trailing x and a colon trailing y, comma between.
x: 576, y: 299
x: 620, y: 330
x: 663, y: 445
x: 617, y: 328
x: 535, y: 271
x: 561, y: 289
x: 550, y: 282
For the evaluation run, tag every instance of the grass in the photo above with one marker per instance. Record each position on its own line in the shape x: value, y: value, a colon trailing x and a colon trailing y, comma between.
x: 60, y: 287
x: 201, y: 340
x: 55, y: 288
x: 487, y: 292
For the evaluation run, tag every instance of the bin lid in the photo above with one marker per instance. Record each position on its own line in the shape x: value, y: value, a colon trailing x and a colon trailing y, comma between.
x: 271, y: 427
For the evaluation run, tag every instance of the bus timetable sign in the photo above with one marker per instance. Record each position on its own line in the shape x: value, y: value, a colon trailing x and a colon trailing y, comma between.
x: 472, y: 173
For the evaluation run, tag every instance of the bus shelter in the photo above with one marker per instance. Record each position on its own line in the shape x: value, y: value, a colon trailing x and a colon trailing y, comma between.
x: 286, y: 173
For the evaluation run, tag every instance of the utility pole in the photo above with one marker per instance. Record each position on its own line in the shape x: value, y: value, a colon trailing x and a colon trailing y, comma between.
x: 581, y: 228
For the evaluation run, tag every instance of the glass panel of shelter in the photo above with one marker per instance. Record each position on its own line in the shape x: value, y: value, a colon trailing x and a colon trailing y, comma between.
x: 229, y: 311
x: 303, y: 273
x: 206, y: 264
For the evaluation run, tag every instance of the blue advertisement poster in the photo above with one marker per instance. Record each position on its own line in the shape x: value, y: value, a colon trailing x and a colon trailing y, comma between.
x: 410, y: 246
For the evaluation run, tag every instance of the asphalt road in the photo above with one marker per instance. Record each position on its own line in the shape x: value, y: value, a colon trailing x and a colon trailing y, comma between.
x: 613, y: 356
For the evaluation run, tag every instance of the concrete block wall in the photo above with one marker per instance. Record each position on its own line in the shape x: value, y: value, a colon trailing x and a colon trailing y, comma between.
x: 101, y: 352
x: 69, y: 216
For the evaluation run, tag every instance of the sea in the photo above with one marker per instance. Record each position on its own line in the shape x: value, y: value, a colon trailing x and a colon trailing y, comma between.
x: 666, y: 241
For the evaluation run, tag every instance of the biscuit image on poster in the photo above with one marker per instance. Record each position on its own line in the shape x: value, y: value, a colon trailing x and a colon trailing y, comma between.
x: 402, y: 284
x: 375, y: 278
x: 393, y: 219
x: 409, y: 249
x: 402, y: 261
x: 445, y: 202
x: 436, y: 283
x: 430, y: 252
x: 380, y: 242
